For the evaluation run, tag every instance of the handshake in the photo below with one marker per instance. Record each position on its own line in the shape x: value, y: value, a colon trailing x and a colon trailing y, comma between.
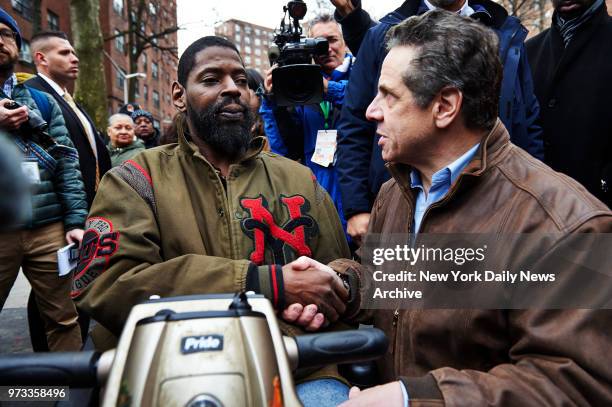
x: 315, y: 292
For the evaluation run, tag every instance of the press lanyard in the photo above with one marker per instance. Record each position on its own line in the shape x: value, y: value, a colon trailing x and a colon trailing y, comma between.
x: 325, y: 107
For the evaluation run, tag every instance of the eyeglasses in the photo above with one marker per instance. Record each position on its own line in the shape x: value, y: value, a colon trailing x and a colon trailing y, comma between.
x: 8, y: 35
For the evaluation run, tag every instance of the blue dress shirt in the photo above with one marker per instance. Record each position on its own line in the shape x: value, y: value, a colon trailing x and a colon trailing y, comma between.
x: 441, y: 182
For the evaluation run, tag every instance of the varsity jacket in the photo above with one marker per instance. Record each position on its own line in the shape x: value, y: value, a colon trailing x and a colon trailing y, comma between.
x: 167, y: 223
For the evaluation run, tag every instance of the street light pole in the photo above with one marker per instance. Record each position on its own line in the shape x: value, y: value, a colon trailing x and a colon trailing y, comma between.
x: 126, y: 78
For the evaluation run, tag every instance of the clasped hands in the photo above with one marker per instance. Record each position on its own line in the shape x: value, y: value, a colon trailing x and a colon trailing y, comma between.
x: 315, y: 293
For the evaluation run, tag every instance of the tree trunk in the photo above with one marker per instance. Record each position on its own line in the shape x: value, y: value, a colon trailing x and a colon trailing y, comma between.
x: 90, y: 89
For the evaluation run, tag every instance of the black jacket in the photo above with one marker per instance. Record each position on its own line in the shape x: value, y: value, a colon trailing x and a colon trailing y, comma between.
x: 87, y: 159
x: 574, y: 87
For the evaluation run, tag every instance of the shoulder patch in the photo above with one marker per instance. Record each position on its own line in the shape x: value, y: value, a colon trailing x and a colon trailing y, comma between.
x: 100, y: 242
x: 139, y: 179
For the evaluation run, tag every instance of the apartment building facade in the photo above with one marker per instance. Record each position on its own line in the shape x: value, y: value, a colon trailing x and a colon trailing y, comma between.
x: 159, y: 67
x: 252, y: 40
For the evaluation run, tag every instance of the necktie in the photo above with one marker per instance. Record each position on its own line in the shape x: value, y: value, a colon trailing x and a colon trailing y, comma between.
x: 87, y: 127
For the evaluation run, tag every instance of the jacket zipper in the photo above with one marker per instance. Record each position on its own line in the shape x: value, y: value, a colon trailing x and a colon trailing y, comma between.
x: 396, y: 314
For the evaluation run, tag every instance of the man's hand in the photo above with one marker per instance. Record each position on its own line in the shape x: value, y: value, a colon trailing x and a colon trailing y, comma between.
x: 75, y: 236
x: 344, y: 7
x: 307, y: 316
x: 11, y: 119
x: 357, y: 226
x: 307, y: 281
x: 389, y: 394
x: 268, y: 79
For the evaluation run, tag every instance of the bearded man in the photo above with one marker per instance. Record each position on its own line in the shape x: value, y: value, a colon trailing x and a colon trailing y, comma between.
x: 211, y: 214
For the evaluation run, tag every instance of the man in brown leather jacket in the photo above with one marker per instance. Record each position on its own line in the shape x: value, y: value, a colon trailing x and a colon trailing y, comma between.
x: 455, y: 171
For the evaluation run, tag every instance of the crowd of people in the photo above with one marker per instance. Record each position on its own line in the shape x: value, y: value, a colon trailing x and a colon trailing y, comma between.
x: 439, y: 118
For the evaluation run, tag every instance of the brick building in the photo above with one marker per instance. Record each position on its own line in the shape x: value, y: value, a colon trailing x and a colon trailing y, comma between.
x: 251, y: 40
x: 159, y: 67
x: 153, y: 92
x: 53, y: 15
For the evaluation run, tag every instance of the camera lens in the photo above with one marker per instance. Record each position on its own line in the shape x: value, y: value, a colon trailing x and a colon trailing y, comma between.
x: 297, y: 85
x: 299, y: 89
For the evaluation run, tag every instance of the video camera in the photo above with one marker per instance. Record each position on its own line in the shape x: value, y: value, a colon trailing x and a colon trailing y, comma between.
x: 296, y: 81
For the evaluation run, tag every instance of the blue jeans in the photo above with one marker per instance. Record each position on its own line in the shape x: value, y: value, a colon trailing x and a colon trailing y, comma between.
x: 322, y: 392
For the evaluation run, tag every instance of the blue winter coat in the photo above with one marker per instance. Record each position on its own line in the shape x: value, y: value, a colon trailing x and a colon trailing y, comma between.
x: 360, y: 166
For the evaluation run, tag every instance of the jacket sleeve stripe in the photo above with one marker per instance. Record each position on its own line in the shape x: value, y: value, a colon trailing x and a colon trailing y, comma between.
x: 142, y: 170
x: 137, y: 178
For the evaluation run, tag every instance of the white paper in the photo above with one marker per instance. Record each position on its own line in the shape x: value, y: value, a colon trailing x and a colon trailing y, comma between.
x: 31, y: 171
x: 325, y: 147
x: 64, y: 265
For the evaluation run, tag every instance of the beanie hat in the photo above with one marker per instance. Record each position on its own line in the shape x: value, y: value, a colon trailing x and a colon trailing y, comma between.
x: 5, y: 18
x: 140, y: 112
x: 128, y: 108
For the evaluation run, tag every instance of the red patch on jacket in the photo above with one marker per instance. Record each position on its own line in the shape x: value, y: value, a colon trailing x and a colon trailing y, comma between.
x: 100, y: 242
x: 267, y: 234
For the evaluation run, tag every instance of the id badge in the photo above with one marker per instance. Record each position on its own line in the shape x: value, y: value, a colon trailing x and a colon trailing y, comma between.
x: 325, y: 148
x: 30, y: 171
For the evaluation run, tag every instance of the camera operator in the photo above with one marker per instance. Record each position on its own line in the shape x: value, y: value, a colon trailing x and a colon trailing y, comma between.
x: 32, y: 121
x: 283, y: 125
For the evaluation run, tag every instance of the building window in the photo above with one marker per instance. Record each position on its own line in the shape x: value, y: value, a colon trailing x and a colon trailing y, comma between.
x: 247, y: 40
x: 257, y: 41
x: 24, y: 7
x: 119, y: 78
x: 119, y: 41
x: 237, y: 38
x: 118, y: 6
x: 137, y: 92
x: 25, y: 53
x: 145, y: 92
x: 156, y: 99
x: 247, y: 30
x: 257, y: 31
x: 237, y: 28
x: 247, y: 50
x: 247, y: 59
x: 154, y: 70
x: 257, y: 51
x: 144, y: 62
x: 52, y: 21
x: 257, y: 61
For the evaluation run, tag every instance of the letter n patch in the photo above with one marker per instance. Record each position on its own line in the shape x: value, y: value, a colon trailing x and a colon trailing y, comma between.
x: 285, y: 242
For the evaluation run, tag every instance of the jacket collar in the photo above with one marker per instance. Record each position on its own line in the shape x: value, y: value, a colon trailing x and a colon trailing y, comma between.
x: 490, y: 152
x: 571, y: 54
x: 135, y: 144
x: 411, y: 7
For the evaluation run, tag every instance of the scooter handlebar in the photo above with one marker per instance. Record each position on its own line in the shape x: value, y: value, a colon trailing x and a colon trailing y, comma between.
x: 340, y: 347
x: 75, y: 369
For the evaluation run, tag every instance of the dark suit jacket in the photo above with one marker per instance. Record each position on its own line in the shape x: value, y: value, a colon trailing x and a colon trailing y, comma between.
x: 574, y: 88
x: 87, y: 159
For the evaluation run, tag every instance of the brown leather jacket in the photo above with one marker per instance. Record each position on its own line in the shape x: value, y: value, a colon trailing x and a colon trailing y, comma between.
x: 471, y: 357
